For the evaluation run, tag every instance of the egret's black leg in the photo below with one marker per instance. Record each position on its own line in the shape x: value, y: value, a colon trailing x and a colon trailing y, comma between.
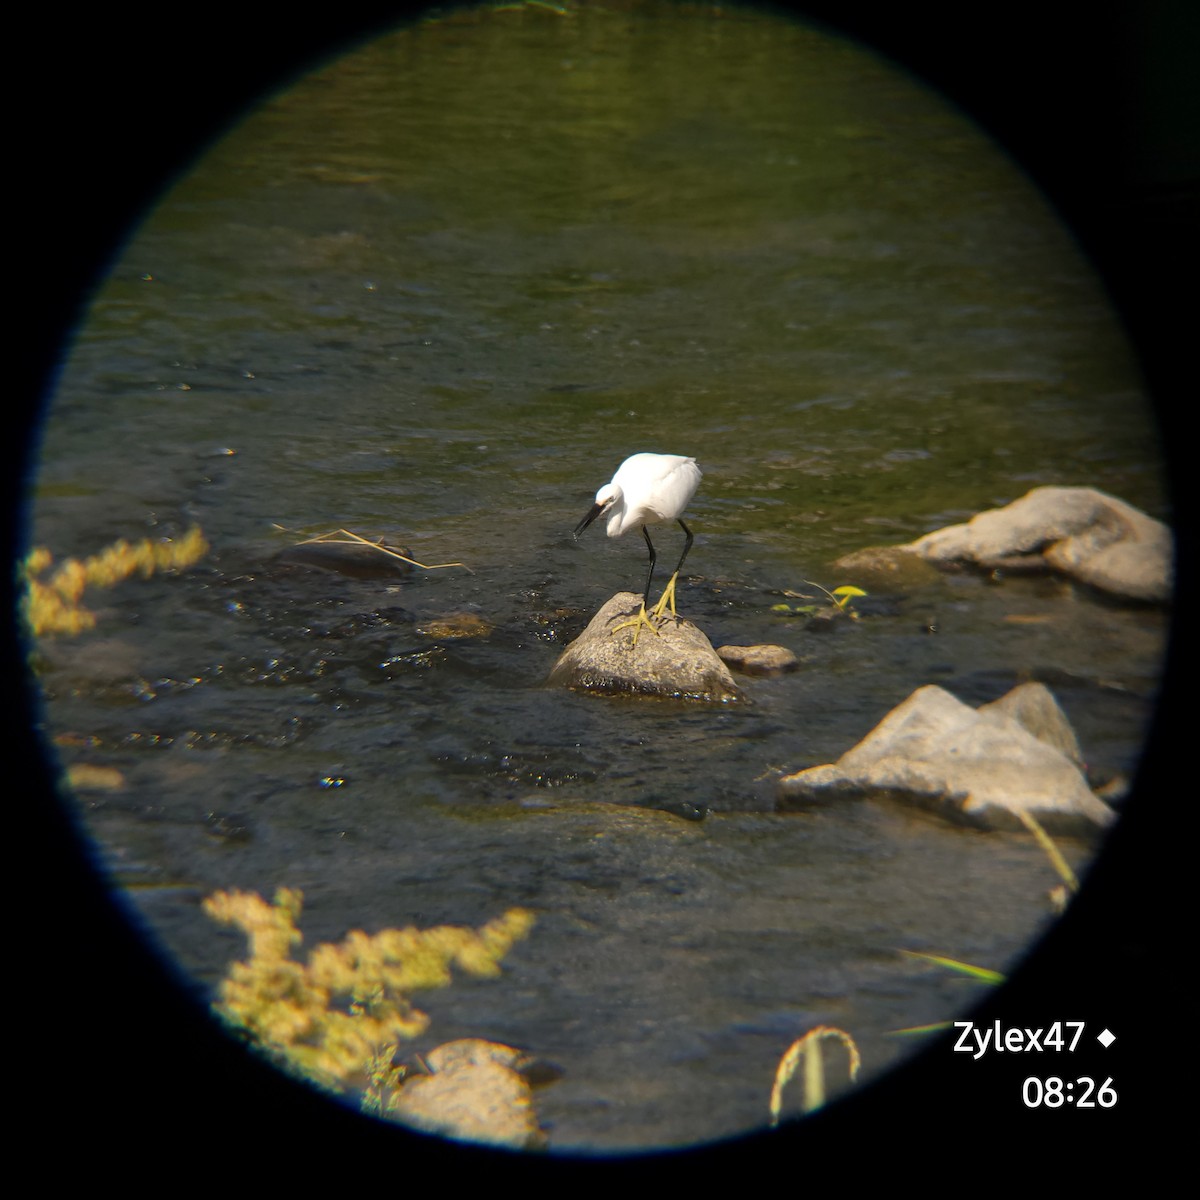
x: 668, y: 596
x: 653, y: 559
x: 687, y: 545
x: 642, y: 619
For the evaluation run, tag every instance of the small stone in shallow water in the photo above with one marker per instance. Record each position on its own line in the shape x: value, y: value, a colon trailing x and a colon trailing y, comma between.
x: 759, y: 660
x: 456, y: 625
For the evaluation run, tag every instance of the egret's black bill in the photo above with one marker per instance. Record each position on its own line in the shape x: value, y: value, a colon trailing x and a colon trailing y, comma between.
x: 596, y: 510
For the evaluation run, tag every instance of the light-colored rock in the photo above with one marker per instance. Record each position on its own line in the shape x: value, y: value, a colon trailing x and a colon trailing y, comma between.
x: 477, y: 1092
x: 982, y: 767
x: 1033, y: 706
x: 1079, y: 532
x: 758, y: 660
x: 678, y: 661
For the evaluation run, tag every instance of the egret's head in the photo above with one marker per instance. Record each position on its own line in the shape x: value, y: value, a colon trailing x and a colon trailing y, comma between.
x: 606, y: 497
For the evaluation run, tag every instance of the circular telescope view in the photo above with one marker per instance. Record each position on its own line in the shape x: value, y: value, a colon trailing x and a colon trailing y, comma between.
x: 596, y: 575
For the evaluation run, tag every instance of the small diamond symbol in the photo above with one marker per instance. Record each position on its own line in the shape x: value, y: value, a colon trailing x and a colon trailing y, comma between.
x: 1106, y: 1039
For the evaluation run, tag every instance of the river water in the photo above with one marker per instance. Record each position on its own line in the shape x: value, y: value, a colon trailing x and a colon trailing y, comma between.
x: 437, y: 291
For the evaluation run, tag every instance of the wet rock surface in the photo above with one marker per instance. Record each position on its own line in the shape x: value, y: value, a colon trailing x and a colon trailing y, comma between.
x: 675, y: 659
x: 982, y: 766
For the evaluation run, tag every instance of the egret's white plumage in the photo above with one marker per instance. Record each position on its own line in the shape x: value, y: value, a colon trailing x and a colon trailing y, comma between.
x: 646, y: 489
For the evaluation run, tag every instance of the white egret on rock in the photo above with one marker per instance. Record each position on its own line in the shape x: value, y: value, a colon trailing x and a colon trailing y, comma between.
x: 647, y: 488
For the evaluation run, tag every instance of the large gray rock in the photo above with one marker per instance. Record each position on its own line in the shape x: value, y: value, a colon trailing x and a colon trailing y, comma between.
x: 1080, y: 532
x: 476, y: 1091
x: 982, y: 767
x: 677, y: 661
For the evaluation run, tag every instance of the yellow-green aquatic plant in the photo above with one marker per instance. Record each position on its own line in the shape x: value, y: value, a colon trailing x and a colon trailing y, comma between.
x: 1070, y: 885
x: 54, y: 605
x: 841, y: 598
x: 808, y: 1050
x: 338, y: 1018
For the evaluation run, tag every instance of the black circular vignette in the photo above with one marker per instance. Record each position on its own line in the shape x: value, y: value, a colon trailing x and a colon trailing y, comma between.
x: 1098, y: 108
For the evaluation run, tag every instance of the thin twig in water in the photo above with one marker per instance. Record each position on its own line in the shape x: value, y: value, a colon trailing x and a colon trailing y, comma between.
x: 344, y: 537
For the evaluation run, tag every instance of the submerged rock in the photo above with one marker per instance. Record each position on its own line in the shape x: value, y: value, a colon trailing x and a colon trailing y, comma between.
x: 679, y: 661
x: 758, y: 660
x: 1079, y: 532
x: 452, y: 626
x: 358, y: 560
x: 476, y: 1091
x: 981, y: 766
x: 887, y: 568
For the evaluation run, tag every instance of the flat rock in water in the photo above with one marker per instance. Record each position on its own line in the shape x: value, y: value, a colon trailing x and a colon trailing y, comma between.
x: 679, y: 661
x: 982, y: 767
x: 476, y: 1091
x: 758, y: 660
x: 1077, y: 531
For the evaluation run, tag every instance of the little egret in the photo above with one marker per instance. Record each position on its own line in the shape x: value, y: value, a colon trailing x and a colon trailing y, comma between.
x: 647, y: 488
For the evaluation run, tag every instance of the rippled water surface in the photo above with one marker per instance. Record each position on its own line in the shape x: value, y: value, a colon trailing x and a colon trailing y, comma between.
x: 437, y: 291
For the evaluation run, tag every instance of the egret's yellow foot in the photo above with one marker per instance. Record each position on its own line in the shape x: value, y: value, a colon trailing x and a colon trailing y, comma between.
x: 668, y: 597
x: 637, y: 623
